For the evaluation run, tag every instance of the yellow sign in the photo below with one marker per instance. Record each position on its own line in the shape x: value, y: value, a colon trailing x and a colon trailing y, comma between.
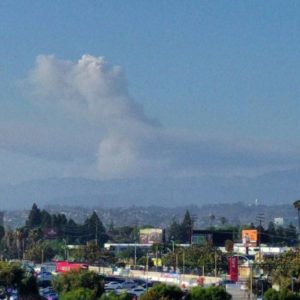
x: 157, y: 262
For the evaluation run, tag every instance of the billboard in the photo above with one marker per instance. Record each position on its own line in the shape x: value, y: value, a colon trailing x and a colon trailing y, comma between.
x: 249, y: 237
x: 151, y: 235
x: 201, y: 238
x: 50, y: 233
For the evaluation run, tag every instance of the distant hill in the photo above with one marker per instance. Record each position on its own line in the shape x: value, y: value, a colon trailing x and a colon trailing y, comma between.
x: 273, y: 188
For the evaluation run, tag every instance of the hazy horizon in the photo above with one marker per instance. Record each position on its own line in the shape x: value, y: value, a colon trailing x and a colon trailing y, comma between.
x: 173, y: 92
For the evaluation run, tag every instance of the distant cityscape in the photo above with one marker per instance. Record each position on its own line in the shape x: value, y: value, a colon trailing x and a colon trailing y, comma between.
x: 203, y: 216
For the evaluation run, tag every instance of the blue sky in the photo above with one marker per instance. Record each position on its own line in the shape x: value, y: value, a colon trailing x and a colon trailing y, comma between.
x: 221, y: 78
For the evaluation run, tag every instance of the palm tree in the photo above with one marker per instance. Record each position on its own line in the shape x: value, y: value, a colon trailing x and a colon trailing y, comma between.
x: 212, y: 218
x: 223, y: 220
x: 297, y: 206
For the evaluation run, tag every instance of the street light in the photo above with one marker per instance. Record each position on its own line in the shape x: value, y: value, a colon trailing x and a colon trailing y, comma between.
x: 65, y: 249
x: 173, y: 244
x: 135, y: 255
x: 251, y: 272
x: 147, y: 269
x: 293, y: 278
x: 262, y: 287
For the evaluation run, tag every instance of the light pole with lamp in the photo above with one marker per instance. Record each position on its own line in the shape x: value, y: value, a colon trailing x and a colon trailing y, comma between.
x: 147, y: 270
x: 293, y: 278
x: 173, y: 245
x: 250, y: 274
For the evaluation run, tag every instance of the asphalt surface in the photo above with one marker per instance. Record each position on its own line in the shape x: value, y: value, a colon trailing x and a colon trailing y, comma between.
x: 237, y: 293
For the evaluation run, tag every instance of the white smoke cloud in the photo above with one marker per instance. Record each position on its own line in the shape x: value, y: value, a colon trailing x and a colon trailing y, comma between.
x: 128, y: 143
x: 90, y: 88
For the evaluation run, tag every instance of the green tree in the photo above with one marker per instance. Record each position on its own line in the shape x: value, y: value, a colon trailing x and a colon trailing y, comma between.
x: 40, y: 252
x: 211, y: 293
x: 271, y: 233
x: 223, y: 221
x: 13, y: 276
x: 163, y: 292
x: 124, y: 234
x: 283, y: 294
x: 211, y: 218
x: 229, y: 245
x: 29, y: 287
x: 282, y: 269
x: 96, y: 229
x: 45, y: 219
x: 128, y: 254
x: 186, y: 228
x: 34, y: 217
x: 109, y: 296
x: 197, y: 257
x: 113, y: 296
x: 2, y: 232
x: 80, y: 279
x: 78, y: 294
x: 174, y: 231
x: 35, y: 235
x: 142, y: 261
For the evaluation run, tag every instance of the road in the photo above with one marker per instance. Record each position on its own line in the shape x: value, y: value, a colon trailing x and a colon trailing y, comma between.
x: 237, y: 293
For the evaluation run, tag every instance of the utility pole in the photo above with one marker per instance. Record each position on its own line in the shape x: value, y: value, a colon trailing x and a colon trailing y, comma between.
x: 42, y: 258
x: 260, y: 218
x: 134, y: 255
x: 96, y: 234
x: 215, y: 263
x: 135, y: 241
x: 183, y: 261
x: 65, y: 248
x: 156, y: 257
x: 147, y: 269
x: 23, y: 248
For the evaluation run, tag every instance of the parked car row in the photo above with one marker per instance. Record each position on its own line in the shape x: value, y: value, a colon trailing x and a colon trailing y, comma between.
x: 46, y: 290
x: 49, y: 293
x: 134, y: 287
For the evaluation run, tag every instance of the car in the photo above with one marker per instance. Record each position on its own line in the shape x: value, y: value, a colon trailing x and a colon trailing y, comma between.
x: 45, y: 276
x: 47, y: 291
x: 2, y: 293
x: 138, y: 291
x: 112, y: 285
x: 108, y: 279
x: 13, y: 295
x: 119, y: 290
x: 51, y: 296
x: 148, y: 284
x: 128, y: 284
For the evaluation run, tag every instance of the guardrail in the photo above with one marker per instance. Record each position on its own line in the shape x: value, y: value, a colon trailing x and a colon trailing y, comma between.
x: 186, y: 280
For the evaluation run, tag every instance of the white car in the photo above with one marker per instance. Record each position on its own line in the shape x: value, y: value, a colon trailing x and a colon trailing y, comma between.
x: 138, y: 291
x: 14, y: 295
x: 112, y: 285
x: 128, y: 284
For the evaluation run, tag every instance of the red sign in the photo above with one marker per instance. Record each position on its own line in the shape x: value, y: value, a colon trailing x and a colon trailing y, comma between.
x: 64, y: 266
x: 234, y: 268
